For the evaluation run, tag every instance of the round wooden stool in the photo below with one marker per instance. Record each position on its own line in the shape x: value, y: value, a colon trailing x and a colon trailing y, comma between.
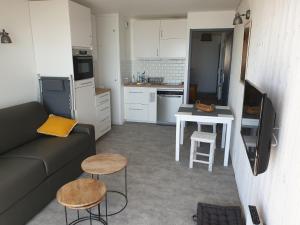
x: 105, y: 164
x: 83, y: 194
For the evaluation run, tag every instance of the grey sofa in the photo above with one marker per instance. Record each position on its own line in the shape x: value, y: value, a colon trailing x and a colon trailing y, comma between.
x: 33, y: 166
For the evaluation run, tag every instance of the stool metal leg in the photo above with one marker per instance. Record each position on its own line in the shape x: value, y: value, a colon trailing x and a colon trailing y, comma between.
x: 106, y: 217
x: 99, y: 213
x: 91, y: 218
x: 66, y: 215
x: 126, y: 181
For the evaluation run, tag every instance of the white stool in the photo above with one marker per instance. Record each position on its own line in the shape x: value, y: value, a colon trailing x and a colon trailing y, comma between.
x: 204, y: 137
x: 214, y: 125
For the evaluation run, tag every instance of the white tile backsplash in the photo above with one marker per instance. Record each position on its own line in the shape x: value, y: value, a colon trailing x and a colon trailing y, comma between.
x: 171, y: 70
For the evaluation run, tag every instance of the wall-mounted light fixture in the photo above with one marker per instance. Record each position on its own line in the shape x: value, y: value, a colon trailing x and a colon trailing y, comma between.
x: 238, y: 17
x: 5, y: 39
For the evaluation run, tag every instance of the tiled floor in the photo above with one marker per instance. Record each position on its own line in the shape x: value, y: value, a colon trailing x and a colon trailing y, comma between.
x: 160, y: 190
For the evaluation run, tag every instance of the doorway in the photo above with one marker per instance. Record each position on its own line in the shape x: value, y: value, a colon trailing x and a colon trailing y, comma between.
x: 209, y: 66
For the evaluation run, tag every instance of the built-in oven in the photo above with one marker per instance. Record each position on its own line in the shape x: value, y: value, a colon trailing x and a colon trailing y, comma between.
x: 82, y: 64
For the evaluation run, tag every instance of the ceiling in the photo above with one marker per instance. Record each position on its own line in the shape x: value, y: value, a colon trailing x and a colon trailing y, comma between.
x: 157, y: 8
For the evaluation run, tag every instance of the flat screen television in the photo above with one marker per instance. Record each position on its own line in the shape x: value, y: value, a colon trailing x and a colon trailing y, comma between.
x: 258, y: 119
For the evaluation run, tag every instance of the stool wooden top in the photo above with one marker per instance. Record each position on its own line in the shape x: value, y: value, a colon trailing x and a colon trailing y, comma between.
x: 81, y: 193
x: 104, y: 163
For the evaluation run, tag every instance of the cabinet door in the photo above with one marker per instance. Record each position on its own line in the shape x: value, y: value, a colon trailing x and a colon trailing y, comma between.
x: 173, y: 34
x: 136, y: 95
x: 85, y: 104
x: 50, y: 25
x: 173, y: 48
x: 146, y: 38
x: 173, y: 28
x: 136, y: 112
x: 81, y: 25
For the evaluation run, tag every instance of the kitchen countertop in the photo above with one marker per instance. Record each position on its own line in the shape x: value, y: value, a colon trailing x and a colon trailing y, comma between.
x: 100, y: 91
x: 179, y: 86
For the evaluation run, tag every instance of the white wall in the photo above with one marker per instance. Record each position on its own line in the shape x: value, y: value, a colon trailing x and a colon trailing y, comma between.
x: 18, y: 81
x: 273, y: 66
x: 210, y: 20
x: 204, y: 20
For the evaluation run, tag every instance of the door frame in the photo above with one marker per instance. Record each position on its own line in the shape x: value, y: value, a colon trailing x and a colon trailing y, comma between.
x: 188, y: 58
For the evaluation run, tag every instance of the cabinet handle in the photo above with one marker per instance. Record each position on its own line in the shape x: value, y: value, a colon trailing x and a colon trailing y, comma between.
x: 86, y: 83
x: 135, y: 109
x: 103, y: 96
x: 106, y: 118
x: 136, y: 92
x: 161, y: 34
x: 157, y: 52
x: 104, y: 102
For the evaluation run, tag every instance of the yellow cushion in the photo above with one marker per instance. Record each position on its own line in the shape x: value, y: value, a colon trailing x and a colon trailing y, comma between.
x: 57, y: 126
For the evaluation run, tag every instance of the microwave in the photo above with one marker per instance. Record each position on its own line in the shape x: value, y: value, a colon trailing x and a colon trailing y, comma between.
x: 82, y: 64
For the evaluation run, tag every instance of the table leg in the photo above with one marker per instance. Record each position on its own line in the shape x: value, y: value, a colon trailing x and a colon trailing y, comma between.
x: 227, y: 145
x: 177, y: 148
x: 223, y: 136
x: 182, y: 132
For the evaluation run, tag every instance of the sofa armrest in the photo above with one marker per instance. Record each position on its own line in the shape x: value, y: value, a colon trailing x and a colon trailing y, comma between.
x: 90, y: 130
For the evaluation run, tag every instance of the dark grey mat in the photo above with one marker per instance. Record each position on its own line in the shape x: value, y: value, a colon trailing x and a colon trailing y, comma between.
x: 208, y: 214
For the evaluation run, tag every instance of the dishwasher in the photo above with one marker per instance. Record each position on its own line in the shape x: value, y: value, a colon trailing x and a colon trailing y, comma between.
x: 168, y: 103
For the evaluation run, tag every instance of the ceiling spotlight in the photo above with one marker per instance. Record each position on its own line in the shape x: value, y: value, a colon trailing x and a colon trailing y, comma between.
x: 5, y: 39
x: 238, y: 17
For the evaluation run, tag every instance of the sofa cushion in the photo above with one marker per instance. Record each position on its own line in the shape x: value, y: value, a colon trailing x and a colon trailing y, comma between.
x: 19, y: 124
x: 18, y: 177
x: 53, y: 151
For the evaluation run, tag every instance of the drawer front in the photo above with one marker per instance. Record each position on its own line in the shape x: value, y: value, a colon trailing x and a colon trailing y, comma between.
x: 102, y: 113
x: 102, y: 127
x: 136, y: 112
x: 104, y: 124
x: 103, y: 99
x: 136, y: 95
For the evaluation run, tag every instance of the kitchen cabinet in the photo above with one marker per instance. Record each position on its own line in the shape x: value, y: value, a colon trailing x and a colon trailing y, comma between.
x: 173, y: 48
x: 50, y: 24
x: 84, y: 101
x: 159, y: 38
x: 103, y: 114
x: 146, y: 38
x: 57, y: 26
x: 140, y: 104
x: 81, y: 25
x: 173, y: 34
x: 173, y: 29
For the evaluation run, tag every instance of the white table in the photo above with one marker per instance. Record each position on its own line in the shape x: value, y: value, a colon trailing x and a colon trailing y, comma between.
x: 190, y: 115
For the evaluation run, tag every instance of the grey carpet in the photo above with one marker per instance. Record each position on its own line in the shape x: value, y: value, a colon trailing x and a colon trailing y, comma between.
x: 160, y: 190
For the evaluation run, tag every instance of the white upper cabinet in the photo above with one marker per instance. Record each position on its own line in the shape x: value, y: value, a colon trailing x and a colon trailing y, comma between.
x: 173, y: 48
x: 159, y: 38
x: 145, y: 38
x: 81, y: 25
x: 173, y: 29
x: 50, y: 24
x: 173, y: 34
